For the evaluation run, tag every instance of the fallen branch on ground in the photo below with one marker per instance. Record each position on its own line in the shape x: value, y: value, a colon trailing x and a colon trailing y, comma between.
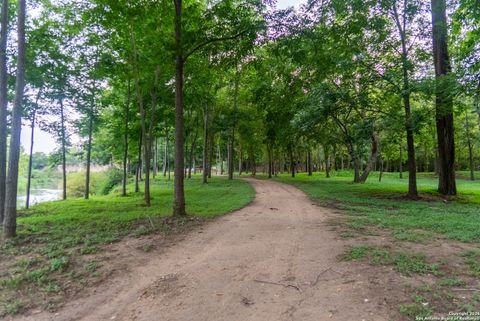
x: 281, y: 284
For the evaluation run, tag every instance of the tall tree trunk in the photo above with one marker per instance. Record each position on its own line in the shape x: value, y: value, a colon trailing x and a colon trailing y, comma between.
x: 10, y: 220
x: 155, y: 157
x: 138, y: 172
x: 89, y: 151
x: 309, y: 161
x: 292, y: 163
x: 192, y: 149
x: 179, y: 192
x: 470, y: 150
x: 205, y: 145
x: 240, y: 161
x: 444, y: 101
x: 270, y: 169
x: 406, y: 92
x: 211, y: 153
x: 152, y: 142
x: 400, y: 162
x: 125, y: 141
x: 168, y: 157
x: 164, y: 165
x: 3, y: 106
x: 30, y: 158
x: 145, y: 138
x: 30, y: 161
x: 64, y: 149
x: 327, y: 161
x: 232, y: 135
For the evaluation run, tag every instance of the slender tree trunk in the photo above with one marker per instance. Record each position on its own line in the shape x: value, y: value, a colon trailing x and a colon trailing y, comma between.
x: 179, y: 193
x: 145, y: 138
x: 327, y: 161
x: 211, y: 153
x: 164, y: 165
x: 125, y: 141
x: 309, y: 162
x: 270, y: 169
x: 444, y: 101
x: 400, y: 162
x: 89, y: 152
x: 412, y: 167
x: 292, y: 163
x: 30, y: 159
x: 10, y: 220
x: 64, y: 149
x: 192, y: 149
x: 139, y: 165
x: 205, y: 146
x: 155, y: 157
x: 470, y: 150
x: 3, y: 106
x: 240, y: 161
x: 381, y: 170
x: 168, y: 158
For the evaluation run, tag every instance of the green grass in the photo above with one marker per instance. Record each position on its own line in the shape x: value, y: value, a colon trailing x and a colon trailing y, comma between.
x: 404, y: 263
x: 53, y: 237
x: 381, y: 204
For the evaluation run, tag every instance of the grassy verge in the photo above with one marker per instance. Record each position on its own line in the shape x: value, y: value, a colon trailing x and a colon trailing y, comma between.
x: 382, y: 204
x: 46, y: 260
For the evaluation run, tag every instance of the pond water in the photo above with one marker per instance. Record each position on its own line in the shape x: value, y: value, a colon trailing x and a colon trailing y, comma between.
x: 40, y: 195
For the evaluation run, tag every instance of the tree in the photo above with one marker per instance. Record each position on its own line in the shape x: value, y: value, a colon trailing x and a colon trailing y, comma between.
x: 444, y: 100
x: 10, y: 220
x: 3, y: 105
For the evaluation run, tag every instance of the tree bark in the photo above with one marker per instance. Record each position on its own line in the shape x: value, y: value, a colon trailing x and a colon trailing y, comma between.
x: 30, y: 158
x: 179, y: 192
x: 292, y: 163
x: 470, y: 150
x: 371, y: 161
x: 444, y: 101
x: 406, y: 92
x: 64, y: 149
x: 400, y: 162
x: 139, y: 164
x: 205, y: 146
x: 89, y: 149
x: 125, y: 141
x: 326, y: 154
x: 3, y: 106
x: 309, y: 161
x: 192, y: 149
x: 145, y: 138
x: 10, y: 220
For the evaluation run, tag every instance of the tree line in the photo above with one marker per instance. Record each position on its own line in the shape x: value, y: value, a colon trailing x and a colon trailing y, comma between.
x: 196, y: 85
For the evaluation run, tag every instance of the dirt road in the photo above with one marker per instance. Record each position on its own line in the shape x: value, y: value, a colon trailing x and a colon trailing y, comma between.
x: 276, y: 259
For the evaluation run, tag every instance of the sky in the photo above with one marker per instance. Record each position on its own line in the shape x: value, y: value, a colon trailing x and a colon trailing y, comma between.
x: 44, y: 142
x: 282, y: 4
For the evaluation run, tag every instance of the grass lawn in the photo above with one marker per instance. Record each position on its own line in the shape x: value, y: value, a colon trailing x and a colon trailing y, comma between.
x: 52, y: 237
x: 382, y: 203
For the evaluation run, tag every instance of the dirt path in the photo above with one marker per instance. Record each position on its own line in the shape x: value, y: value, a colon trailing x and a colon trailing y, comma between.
x: 222, y: 272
